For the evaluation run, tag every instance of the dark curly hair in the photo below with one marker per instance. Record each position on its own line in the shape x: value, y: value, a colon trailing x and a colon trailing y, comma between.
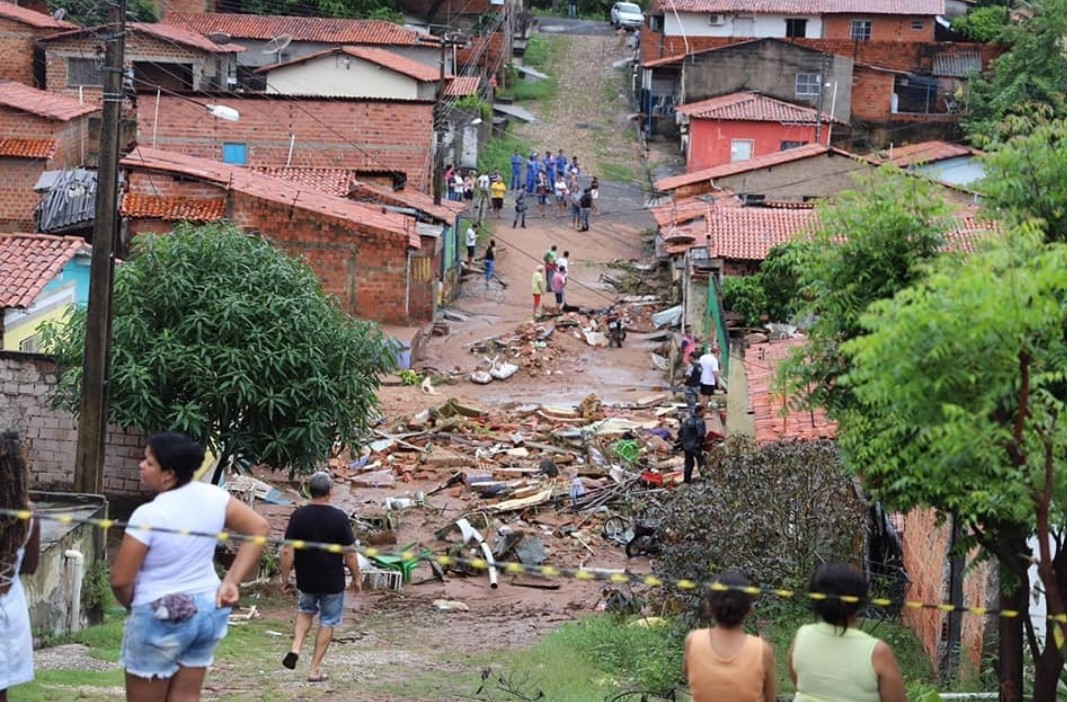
x: 14, y: 494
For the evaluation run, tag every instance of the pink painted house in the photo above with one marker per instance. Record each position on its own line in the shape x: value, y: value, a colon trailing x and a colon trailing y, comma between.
x: 745, y: 125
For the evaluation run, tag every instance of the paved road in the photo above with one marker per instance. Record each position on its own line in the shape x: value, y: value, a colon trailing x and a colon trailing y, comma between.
x: 560, y: 25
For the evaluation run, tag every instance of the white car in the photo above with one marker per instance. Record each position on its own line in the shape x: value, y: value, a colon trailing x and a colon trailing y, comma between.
x: 627, y: 14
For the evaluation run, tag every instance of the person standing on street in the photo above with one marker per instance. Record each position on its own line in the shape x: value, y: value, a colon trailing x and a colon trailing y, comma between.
x: 516, y: 171
x: 320, y: 576
x: 709, y: 374
x: 691, y: 436
x: 693, y: 372
x: 490, y: 261
x: 572, y: 8
x: 520, y: 210
x: 550, y: 263
x: 472, y: 241
x: 538, y: 286
x: 497, y: 189
x: 482, y: 185
x: 585, y: 208
x: 559, y: 286
x: 564, y: 262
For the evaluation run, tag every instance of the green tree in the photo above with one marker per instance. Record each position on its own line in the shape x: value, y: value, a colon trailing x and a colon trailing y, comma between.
x: 871, y: 242
x: 984, y: 24
x: 779, y: 275
x: 744, y: 295
x: 220, y: 335
x: 343, y: 9
x: 959, y: 387
x: 1026, y: 175
x: 92, y: 14
x: 1032, y: 71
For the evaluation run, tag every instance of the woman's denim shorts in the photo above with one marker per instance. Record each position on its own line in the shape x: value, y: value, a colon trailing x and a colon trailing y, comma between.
x: 153, y: 648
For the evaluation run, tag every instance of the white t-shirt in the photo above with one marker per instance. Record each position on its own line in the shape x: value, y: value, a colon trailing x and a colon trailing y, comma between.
x: 177, y: 563
x: 709, y: 369
x: 483, y: 181
x: 472, y: 236
x: 563, y: 263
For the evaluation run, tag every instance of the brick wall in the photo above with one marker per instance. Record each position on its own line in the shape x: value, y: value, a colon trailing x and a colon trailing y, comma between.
x: 71, y: 136
x: 884, y: 28
x: 50, y: 435
x: 184, y: 6
x: 371, y: 135
x: 17, y: 198
x: 139, y: 47
x: 16, y: 52
x: 872, y: 94
x: 926, y: 560
x: 366, y: 270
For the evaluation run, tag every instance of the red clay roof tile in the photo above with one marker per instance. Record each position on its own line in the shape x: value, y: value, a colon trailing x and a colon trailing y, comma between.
x: 28, y: 148
x: 927, y: 152
x: 264, y: 187
x: 381, y: 57
x: 165, y: 32
x: 32, y: 18
x: 773, y: 418
x: 335, y: 181
x: 747, y: 106
x: 925, y: 8
x: 173, y: 209
x: 752, y: 164
x: 315, y: 29
x: 461, y: 86
x: 28, y: 262
x: 41, y: 103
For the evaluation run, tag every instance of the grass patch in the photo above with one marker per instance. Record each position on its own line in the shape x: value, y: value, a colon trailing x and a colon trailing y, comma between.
x: 498, y: 150
x: 530, y: 90
x: 537, y: 51
x: 616, y: 172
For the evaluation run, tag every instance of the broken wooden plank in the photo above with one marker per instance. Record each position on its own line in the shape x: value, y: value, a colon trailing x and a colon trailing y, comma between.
x: 538, y: 498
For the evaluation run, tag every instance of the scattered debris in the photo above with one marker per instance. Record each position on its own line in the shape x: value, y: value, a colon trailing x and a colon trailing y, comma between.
x: 450, y: 606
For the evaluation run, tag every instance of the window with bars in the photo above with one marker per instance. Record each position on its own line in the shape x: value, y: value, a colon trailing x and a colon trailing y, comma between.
x: 84, y: 71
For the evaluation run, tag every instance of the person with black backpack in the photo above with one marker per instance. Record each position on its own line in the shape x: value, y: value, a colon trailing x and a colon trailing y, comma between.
x: 691, y: 438
x: 692, y: 384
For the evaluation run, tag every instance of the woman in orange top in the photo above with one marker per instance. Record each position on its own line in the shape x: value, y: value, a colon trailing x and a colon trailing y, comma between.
x: 725, y: 663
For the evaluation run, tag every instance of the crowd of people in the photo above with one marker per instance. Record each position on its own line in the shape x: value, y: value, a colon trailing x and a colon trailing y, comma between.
x: 551, y: 276
x: 556, y: 182
x: 830, y: 660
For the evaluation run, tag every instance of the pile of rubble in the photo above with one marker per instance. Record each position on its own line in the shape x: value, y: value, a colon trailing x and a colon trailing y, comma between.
x: 535, y: 483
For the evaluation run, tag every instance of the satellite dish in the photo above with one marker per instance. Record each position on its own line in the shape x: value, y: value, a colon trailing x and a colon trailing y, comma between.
x: 277, y: 44
x: 59, y: 14
x: 219, y: 37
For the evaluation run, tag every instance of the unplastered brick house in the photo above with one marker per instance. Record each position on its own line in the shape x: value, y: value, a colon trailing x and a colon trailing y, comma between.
x: 360, y: 253
x: 158, y: 57
x: 39, y: 132
x: 20, y: 28
x: 378, y: 138
x: 902, y: 76
x: 272, y: 39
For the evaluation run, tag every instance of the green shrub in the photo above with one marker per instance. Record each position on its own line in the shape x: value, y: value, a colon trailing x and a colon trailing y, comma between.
x: 984, y: 24
x: 745, y: 296
x: 647, y: 657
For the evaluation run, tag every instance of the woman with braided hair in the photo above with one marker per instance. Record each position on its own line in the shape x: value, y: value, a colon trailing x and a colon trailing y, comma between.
x: 20, y: 543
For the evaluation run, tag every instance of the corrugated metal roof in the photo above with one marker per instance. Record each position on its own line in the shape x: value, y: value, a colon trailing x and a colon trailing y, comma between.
x: 70, y: 203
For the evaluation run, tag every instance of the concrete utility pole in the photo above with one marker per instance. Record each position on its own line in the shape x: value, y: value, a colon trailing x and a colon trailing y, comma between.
x: 92, y: 424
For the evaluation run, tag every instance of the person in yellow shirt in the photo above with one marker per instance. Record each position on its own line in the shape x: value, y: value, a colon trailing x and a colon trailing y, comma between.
x: 538, y: 285
x: 497, y: 190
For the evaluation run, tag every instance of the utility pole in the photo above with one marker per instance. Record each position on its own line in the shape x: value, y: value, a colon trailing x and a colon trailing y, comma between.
x: 92, y: 421
x: 818, y: 109
x: 439, y: 130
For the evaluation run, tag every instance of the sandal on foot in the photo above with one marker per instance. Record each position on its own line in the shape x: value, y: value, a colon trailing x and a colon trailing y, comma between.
x: 318, y: 678
x: 290, y: 660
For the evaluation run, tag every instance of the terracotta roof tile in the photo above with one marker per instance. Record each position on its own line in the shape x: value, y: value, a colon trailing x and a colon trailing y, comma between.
x: 28, y: 148
x: 752, y: 164
x: 173, y: 209
x: 678, y: 212
x: 28, y: 262
x: 413, y: 199
x: 41, y: 103
x: 266, y: 188
x: 748, y: 233
x: 461, y: 86
x: 927, y: 152
x: 925, y: 8
x: 773, y: 418
x: 29, y: 17
x: 747, y: 106
x: 165, y: 32
x: 335, y: 181
x: 315, y: 29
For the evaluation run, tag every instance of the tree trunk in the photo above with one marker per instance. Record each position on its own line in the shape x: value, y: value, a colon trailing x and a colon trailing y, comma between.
x: 1010, y: 635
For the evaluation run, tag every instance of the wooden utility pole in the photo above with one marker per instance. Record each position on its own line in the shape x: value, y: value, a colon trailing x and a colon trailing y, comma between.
x: 92, y: 421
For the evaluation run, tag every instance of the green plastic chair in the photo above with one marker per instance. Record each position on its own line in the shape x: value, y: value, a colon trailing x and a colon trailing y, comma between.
x: 397, y: 562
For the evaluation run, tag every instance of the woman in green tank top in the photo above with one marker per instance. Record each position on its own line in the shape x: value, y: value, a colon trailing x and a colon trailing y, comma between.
x: 832, y: 660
